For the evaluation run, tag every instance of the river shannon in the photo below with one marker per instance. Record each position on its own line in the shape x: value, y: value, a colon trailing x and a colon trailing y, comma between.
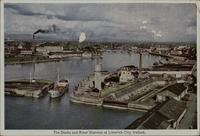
x: 45, y: 113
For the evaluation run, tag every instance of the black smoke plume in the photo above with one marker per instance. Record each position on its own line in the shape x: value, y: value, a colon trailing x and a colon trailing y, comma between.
x: 52, y: 29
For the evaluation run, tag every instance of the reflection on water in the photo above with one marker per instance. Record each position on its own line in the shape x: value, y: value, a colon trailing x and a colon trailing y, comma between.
x: 46, y: 113
x: 54, y: 102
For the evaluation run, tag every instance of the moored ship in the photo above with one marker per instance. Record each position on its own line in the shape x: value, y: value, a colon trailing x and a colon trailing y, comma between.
x: 59, y: 89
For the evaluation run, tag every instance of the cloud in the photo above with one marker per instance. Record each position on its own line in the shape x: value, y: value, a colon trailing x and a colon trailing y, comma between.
x: 163, y: 22
x: 153, y: 31
x: 70, y: 16
x: 158, y: 35
x: 143, y: 27
x: 144, y: 22
x: 21, y: 11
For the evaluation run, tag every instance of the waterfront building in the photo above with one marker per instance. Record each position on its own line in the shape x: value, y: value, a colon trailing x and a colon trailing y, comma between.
x: 53, y: 48
x: 54, y: 55
x: 134, y: 48
x: 176, y: 52
x: 26, y: 52
x: 128, y: 73
x: 164, y: 116
x: 41, y: 50
x: 174, y: 111
x: 144, y: 75
x: 162, y: 50
x: 7, y: 52
x: 87, y: 55
x: 20, y: 46
x: 49, y: 48
x: 175, y: 91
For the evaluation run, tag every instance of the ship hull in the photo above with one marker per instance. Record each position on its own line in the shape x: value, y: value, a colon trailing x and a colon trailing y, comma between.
x: 55, y: 93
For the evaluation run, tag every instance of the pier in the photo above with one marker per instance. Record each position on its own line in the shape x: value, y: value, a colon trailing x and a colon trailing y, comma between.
x: 22, y: 88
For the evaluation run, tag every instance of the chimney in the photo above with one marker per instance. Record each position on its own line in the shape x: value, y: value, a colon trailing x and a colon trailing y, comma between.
x: 98, y: 67
x: 140, y: 63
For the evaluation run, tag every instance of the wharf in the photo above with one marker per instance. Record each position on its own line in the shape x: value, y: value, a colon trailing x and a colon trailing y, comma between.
x: 42, y: 60
x: 168, y: 56
x: 100, y: 103
x: 122, y: 100
x: 162, y: 55
x: 35, y: 89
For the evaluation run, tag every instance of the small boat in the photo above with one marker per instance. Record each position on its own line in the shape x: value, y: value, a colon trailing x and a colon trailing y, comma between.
x: 59, y: 89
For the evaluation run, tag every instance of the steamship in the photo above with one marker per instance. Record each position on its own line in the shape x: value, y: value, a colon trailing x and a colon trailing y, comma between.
x: 60, y: 87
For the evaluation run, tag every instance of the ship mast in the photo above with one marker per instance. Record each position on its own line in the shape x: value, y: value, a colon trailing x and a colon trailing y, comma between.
x: 58, y: 76
x: 30, y: 78
x: 33, y: 64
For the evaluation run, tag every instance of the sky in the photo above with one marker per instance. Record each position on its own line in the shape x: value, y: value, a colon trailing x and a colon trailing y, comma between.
x: 104, y: 22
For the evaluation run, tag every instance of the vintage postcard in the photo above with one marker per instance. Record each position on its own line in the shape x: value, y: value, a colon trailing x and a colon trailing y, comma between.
x: 99, y: 67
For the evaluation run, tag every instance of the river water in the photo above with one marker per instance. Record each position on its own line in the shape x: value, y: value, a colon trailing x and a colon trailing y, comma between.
x: 45, y: 113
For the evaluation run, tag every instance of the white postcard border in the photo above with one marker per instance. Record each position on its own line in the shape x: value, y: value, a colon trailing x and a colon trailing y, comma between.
x: 136, y: 132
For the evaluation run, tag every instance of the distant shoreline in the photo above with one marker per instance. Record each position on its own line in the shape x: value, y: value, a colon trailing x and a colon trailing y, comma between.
x: 66, y: 58
x: 44, y: 60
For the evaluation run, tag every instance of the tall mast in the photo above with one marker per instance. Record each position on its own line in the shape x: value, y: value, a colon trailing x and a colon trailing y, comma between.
x: 30, y: 78
x: 58, y: 78
x: 33, y: 64
x: 140, y: 62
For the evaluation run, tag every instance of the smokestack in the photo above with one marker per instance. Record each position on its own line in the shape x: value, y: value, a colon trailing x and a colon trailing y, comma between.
x: 98, y: 76
x: 40, y: 31
x: 52, y: 29
x: 140, y: 63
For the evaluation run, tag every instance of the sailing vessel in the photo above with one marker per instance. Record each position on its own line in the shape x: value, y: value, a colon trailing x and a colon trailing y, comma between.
x: 60, y: 87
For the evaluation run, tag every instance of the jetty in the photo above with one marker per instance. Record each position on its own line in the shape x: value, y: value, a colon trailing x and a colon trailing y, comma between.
x: 36, y: 88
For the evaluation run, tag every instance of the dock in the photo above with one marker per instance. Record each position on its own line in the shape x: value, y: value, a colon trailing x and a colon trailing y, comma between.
x: 25, y: 88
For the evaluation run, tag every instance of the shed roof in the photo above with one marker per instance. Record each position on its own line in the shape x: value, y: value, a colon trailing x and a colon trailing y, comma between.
x: 172, y: 109
x: 157, y: 120
x: 176, y: 88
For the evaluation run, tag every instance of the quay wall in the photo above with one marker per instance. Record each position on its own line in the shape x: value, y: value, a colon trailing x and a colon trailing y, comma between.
x: 17, y: 92
x: 95, y: 102
x: 36, y: 92
x: 43, y: 60
x: 168, y: 56
x: 89, y: 101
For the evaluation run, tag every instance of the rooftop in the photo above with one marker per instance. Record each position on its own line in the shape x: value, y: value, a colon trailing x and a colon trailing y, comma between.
x: 172, y: 109
x: 176, y: 88
x: 128, y: 67
x: 159, y: 117
x: 157, y: 120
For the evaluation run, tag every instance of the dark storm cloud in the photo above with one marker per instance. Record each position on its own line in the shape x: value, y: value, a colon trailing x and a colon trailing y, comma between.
x: 21, y: 11
x: 70, y: 16
x: 156, y: 22
x: 75, y: 18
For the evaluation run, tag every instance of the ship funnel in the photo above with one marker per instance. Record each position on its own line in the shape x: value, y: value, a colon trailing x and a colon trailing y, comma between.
x: 140, y: 62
